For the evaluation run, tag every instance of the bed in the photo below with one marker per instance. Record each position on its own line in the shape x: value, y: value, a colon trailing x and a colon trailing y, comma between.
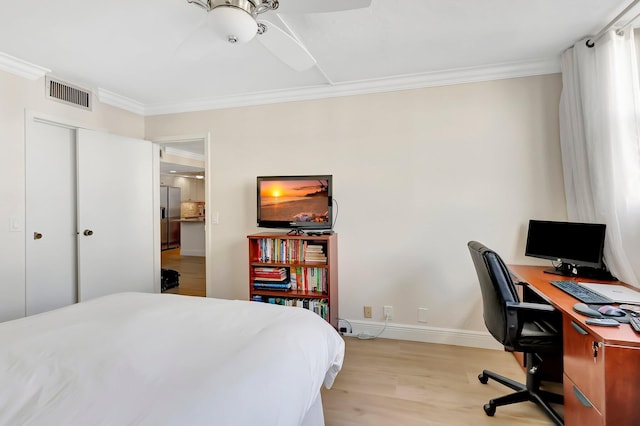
x: 162, y: 359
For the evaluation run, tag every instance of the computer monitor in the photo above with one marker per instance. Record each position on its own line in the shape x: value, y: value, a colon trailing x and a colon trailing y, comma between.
x: 578, y: 247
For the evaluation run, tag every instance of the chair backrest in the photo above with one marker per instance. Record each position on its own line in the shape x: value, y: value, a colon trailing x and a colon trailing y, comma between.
x: 497, y: 289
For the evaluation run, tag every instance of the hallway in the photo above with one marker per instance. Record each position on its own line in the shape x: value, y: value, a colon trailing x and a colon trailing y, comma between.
x: 192, y: 272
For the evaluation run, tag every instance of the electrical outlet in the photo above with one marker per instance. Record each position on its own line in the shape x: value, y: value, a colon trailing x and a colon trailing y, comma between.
x: 422, y: 314
x: 387, y: 311
x: 367, y: 311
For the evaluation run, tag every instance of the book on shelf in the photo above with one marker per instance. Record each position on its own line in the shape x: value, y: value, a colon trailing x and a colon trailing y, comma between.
x: 267, y: 285
x: 282, y: 250
x: 270, y: 269
x: 316, y: 259
x: 310, y: 279
x: 317, y: 306
x: 271, y: 274
x: 314, y: 253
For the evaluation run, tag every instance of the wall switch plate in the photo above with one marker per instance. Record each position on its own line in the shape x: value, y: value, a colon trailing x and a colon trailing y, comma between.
x: 422, y: 314
x: 215, y: 218
x: 367, y: 311
x: 14, y: 225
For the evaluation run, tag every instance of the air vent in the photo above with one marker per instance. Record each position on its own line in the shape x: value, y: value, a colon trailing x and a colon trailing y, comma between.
x: 68, y: 94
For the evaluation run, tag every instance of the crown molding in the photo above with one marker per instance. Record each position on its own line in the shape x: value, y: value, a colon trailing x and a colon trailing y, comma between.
x: 21, y: 68
x: 31, y: 71
x: 119, y: 101
x: 407, y: 82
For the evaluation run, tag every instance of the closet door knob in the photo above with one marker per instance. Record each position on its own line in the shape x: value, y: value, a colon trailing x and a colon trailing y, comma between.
x: 88, y: 232
x: 37, y: 235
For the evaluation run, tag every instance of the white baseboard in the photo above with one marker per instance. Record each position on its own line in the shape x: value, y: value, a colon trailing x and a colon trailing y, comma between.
x: 444, y: 336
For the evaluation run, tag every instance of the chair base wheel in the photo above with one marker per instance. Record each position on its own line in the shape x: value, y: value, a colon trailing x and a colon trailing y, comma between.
x: 489, y: 409
x: 483, y: 378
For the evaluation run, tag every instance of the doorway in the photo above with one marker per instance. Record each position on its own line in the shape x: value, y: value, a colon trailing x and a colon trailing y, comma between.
x: 183, y: 170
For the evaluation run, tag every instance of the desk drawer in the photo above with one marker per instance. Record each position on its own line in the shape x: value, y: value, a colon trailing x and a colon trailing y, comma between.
x: 622, y: 384
x: 580, y: 365
x: 578, y: 410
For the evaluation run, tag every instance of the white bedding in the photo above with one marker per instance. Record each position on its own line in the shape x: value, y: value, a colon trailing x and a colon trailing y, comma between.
x: 161, y: 359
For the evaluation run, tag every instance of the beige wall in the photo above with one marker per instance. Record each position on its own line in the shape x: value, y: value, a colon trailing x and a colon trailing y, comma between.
x: 417, y: 174
x: 18, y: 95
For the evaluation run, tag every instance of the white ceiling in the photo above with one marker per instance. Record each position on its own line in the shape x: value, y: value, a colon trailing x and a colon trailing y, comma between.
x: 180, y: 170
x: 132, y: 52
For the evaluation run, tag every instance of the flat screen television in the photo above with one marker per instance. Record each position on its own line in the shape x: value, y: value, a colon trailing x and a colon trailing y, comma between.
x: 577, y: 246
x: 295, y: 202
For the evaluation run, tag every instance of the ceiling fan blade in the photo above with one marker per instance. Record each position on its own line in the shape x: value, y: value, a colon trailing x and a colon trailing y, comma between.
x: 320, y: 6
x: 285, y: 47
x: 200, y: 43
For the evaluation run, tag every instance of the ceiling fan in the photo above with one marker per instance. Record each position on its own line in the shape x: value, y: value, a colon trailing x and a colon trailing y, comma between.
x: 239, y: 21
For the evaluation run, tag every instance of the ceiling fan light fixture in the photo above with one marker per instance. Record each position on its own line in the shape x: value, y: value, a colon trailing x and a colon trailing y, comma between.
x: 234, y: 22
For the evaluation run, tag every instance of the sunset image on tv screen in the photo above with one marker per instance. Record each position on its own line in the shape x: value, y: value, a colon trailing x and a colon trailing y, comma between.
x: 294, y: 200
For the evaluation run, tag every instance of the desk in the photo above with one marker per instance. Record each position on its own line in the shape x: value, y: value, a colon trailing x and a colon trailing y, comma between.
x: 601, y: 365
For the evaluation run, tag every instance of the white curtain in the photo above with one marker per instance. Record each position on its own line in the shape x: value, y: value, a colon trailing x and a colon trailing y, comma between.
x: 599, y: 135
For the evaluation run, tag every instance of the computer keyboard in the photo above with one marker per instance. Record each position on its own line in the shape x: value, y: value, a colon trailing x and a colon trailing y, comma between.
x: 581, y: 293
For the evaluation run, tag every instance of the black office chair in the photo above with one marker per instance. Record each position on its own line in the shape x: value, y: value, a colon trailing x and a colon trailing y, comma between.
x: 532, y: 328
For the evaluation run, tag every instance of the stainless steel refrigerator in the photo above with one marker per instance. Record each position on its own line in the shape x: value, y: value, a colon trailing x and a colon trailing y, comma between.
x: 169, y: 217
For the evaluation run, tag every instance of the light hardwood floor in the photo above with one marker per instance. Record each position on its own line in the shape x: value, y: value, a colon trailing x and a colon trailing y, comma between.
x: 393, y: 382
x: 192, y: 272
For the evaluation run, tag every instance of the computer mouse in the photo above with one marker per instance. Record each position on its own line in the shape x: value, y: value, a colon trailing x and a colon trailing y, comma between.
x: 611, y: 311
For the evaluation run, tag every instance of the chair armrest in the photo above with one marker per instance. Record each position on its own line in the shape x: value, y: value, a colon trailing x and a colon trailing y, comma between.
x: 530, y: 306
x: 519, y: 313
x: 528, y: 311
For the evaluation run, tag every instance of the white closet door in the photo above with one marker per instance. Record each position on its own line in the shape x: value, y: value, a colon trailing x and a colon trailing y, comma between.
x: 50, y: 217
x: 115, y: 214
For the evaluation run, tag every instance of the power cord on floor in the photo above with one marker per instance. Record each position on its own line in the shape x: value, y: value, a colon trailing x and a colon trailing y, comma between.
x: 344, y: 330
x: 366, y: 336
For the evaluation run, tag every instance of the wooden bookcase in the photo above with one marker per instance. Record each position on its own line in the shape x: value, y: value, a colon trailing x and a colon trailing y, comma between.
x: 314, y: 282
